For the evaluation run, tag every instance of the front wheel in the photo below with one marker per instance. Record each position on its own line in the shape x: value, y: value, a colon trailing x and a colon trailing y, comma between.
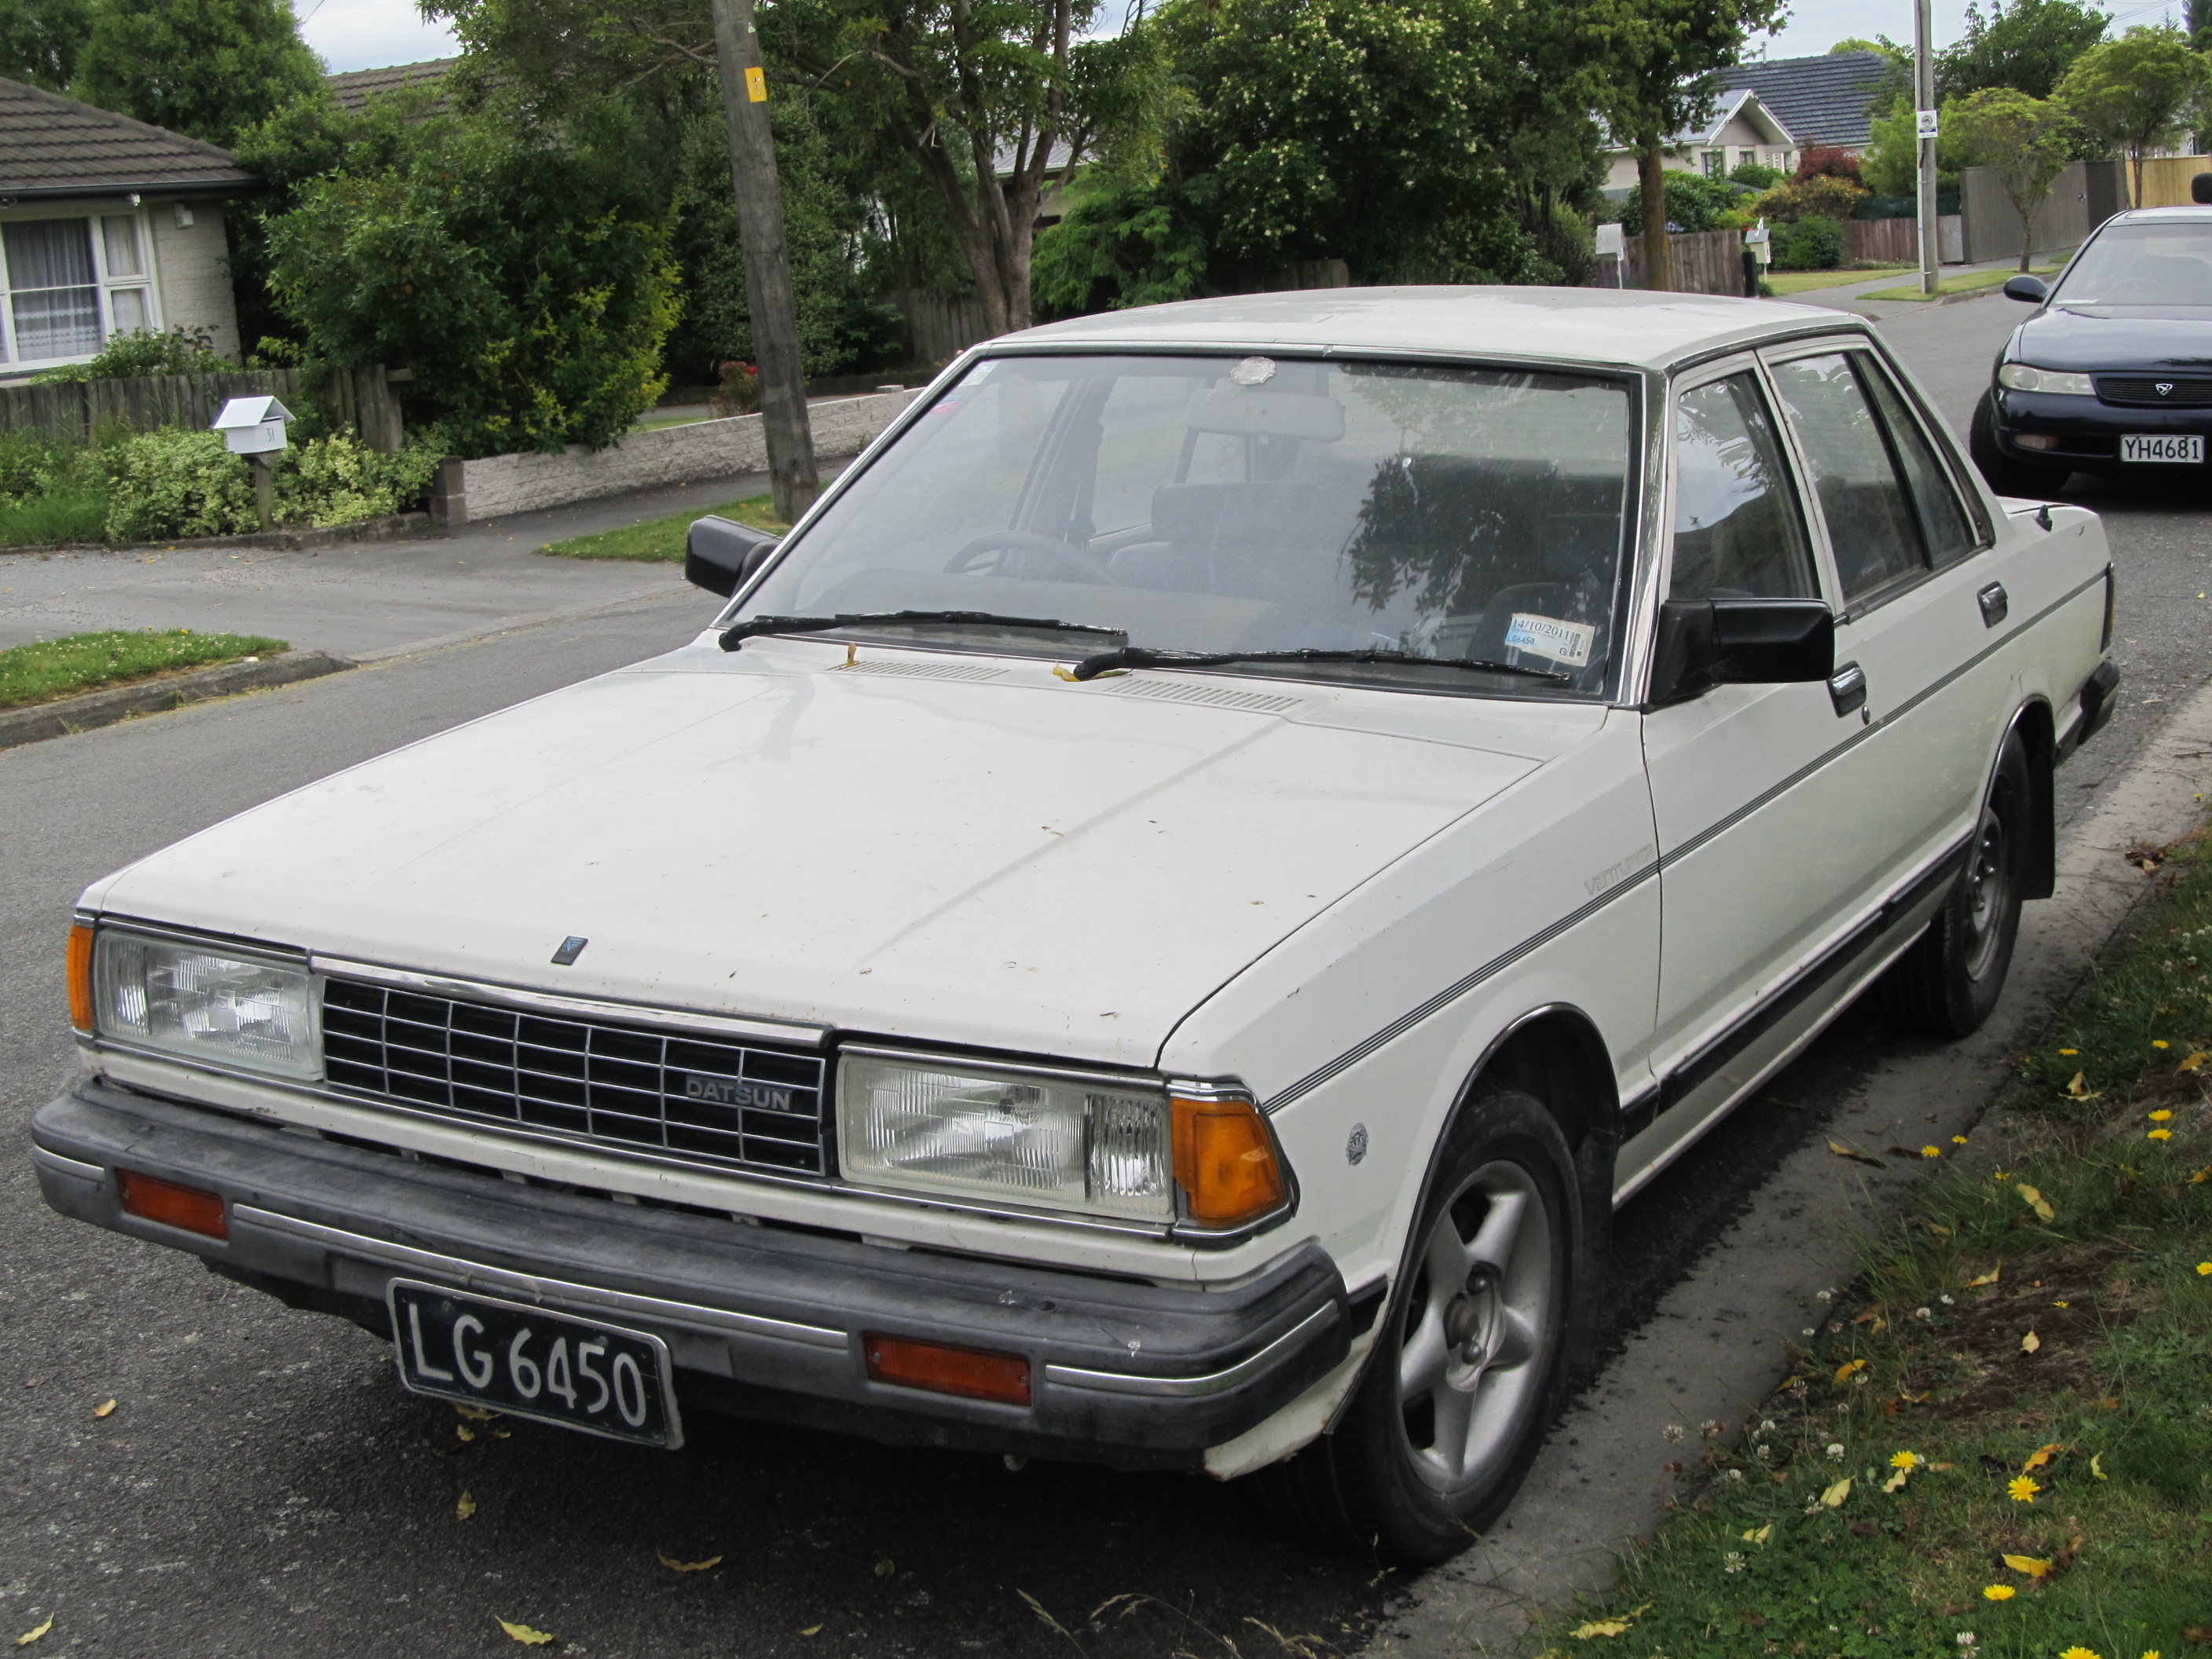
x: 1468, y: 1373
x: 2005, y: 475
x: 1946, y: 984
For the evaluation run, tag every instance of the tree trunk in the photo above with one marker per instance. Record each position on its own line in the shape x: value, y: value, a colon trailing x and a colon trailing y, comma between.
x: 1658, y: 258
x: 2135, y: 155
x: 768, y: 298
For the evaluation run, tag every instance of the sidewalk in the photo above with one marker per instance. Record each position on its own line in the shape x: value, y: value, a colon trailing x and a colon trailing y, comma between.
x: 360, y: 600
x: 1849, y: 295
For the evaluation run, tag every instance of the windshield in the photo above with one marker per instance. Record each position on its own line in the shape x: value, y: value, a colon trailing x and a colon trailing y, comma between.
x: 1221, y: 504
x: 2143, y: 265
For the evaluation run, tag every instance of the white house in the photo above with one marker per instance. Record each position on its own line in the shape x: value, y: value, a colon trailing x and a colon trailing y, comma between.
x: 1742, y: 129
x: 106, y: 225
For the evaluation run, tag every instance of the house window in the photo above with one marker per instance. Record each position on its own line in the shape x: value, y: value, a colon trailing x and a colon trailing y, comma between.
x: 1746, y: 158
x: 66, y: 284
x: 1716, y: 162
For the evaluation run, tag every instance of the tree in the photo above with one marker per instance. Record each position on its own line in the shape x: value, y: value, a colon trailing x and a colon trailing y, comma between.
x: 40, y: 41
x: 2023, y: 139
x: 1656, y: 62
x: 1891, y: 165
x: 2137, y: 93
x: 2029, y: 47
x: 209, y: 68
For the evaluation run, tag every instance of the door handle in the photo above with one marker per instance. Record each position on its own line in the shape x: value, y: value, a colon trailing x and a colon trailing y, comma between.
x: 1847, y: 687
x: 1996, y: 603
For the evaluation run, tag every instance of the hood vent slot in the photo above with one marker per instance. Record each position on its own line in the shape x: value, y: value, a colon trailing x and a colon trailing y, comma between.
x: 1209, y: 697
x: 922, y: 670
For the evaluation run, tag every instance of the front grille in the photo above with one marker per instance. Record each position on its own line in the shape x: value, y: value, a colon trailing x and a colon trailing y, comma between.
x: 703, y: 1096
x: 2143, y: 391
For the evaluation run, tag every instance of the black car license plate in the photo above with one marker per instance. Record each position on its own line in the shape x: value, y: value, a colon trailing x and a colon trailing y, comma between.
x: 527, y: 1362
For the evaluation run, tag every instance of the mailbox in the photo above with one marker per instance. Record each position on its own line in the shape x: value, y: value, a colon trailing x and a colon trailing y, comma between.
x: 252, y: 426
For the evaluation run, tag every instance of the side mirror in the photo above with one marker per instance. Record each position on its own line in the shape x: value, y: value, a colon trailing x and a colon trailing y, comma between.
x: 2200, y: 188
x: 1703, y: 643
x: 720, y: 554
x: 2032, y: 289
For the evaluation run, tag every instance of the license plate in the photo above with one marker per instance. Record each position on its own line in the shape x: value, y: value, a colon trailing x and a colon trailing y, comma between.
x: 2162, y: 446
x: 526, y: 1361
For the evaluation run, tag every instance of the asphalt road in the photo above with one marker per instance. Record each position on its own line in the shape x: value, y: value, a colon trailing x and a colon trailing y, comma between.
x: 264, y: 1487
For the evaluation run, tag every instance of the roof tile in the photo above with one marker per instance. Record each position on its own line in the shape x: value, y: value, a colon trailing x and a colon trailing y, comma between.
x: 50, y: 145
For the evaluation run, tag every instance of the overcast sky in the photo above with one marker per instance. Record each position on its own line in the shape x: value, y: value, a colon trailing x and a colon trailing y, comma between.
x: 353, y: 34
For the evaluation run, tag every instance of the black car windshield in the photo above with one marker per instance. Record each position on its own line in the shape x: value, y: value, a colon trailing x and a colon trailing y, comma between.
x: 1219, y: 504
x: 2142, y: 265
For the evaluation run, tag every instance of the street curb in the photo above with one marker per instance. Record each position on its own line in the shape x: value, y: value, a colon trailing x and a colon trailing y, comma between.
x: 533, y: 619
x: 399, y: 526
x: 1714, y: 1345
x: 1910, y: 307
x: 92, y: 709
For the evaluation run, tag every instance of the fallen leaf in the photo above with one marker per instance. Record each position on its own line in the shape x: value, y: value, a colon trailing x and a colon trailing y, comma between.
x: 2079, y: 1088
x: 1759, y: 1535
x: 474, y: 1415
x: 2039, y: 1456
x: 464, y: 1433
x: 884, y: 1569
x: 1896, y: 1482
x: 2030, y: 1343
x: 30, y: 1636
x: 2200, y: 1634
x: 816, y: 1629
x: 1833, y: 1498
x: 105, y: 1408
x: 2063, y: 1561
x: 1850, y: 1369
x: 1872, y: 1314
x: 1911, y: 1398
x: 524, y: 1634
x: 466, y: 1507
x: 2194, y: 1060
x: 2036, y: 1201
x: 1841, y: 1151
x: 1989, y: 1277
x: 2029, y: 1564
x: 1598, y: 1627
x: 2097, y: 1465
x: 1940, y: 1231
x: 697, y: 1566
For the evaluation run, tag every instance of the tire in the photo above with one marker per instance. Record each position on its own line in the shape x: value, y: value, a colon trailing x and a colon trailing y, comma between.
x: 2005, y: 475
x: 1949, y: 980
x: 1469, y: 1369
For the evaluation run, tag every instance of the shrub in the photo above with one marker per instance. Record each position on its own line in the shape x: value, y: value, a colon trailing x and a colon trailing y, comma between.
x: 738, y: 393
x: 173, y: 483
x: 337, y: 480
x: 1823, y: 196
x: 145, y: 351
x: 1825, y: 161
x: 1756, y: 176
x: 1813, y: 244
x: 1694, y: 203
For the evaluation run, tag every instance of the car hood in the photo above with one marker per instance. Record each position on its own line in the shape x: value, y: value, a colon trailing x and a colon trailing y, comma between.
x: 916, y: 845
x: 2174, y: 337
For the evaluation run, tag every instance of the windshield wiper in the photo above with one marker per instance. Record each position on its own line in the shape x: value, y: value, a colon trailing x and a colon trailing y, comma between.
x: 734, y: 638
x: 1138, y: 656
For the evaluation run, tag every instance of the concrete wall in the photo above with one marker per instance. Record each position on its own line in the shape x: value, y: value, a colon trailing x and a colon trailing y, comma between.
x: 188, y: 265
x: 501, y: 485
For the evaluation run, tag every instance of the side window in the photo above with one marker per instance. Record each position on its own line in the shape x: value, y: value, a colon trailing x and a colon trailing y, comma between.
x: 1737, y: 529
x: 1855, y: 473
x: 1944, y: 529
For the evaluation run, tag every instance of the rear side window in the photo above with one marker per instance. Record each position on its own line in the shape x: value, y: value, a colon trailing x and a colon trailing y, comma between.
x: 1736, y: 530
x: 1944, y: 530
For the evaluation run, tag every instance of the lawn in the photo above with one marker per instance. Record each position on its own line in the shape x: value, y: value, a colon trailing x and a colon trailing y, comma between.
x: 1996, y: 1442
x: 661, y: 540
x: 1971, y: 282
x: 54, y: 668
x: 1785, y: 282
x: 57, y: 516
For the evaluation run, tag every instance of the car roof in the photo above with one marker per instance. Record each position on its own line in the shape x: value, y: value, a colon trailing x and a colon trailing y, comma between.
x: 2138, y: 216
x: 1598, y: 327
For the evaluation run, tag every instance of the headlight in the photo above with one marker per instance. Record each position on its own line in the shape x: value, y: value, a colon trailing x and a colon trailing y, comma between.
x: 201, y: 1004
x: 1058, y: 1140
x: 2018, y: 377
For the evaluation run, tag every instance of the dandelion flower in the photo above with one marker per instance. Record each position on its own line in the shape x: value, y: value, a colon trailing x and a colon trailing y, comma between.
x: 2160, y: 1134
x: 2204, y: 1270
x: 2080, y: 1653
x: 1998, y: 1592
x: 2161, y: 1116
x: 2155, y: 1043
x: 1931, y: 1151
x: 1959, y: 1140
x: 2070, y: 1053
x: 1906, y: 1460
x: 2023, y: 1490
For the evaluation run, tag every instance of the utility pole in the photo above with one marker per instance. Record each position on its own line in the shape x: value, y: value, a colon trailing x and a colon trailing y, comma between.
x: 1923, y: 94
x: 768, y: 262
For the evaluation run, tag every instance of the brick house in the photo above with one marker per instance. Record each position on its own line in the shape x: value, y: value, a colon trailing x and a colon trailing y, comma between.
x: 106, y: 225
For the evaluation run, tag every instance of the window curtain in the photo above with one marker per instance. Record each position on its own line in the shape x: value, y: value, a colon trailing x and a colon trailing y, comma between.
x: 52, y: 289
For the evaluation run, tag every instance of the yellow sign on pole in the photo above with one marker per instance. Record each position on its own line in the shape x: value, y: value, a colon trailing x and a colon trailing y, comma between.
x: 756, y: 84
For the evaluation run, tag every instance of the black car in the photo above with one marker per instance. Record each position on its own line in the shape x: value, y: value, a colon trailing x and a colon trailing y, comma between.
x: 2112, y: 375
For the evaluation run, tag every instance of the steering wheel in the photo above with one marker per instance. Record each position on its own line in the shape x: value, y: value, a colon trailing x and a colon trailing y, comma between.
x: 1003, y: 542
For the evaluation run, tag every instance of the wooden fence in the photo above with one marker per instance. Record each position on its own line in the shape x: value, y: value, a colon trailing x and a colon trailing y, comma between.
x: 938, y: 327
x: 363, y: 398
x: 2166, y: 180
x: 1705, y: 262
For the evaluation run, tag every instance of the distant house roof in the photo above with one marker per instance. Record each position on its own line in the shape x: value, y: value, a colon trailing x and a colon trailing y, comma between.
x: 52, y: 146
x: 1823, y: 100
x: 357, y: 87
x: 1740, y: 101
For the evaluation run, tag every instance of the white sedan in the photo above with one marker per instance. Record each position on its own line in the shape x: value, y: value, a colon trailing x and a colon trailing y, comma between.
x: 1162, y: 918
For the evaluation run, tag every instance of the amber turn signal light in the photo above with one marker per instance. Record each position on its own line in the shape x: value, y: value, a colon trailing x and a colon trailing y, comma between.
x: 152, y: 1199
x: 1225, y: 1162
x: 80, y: 977
x: 971, y: 1373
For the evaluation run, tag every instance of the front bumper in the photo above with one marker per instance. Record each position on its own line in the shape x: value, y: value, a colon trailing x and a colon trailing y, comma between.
x: 763, y: 1321
x: 2088, y: 431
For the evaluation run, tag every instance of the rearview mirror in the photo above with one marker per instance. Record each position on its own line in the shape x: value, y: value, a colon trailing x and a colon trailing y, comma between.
x: 721, y: 554
x: 1703, y: 643
x: 2033, y: 290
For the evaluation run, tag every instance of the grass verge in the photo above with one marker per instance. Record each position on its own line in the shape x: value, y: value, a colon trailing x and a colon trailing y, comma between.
x: 1971, y: 283
x: 1996, y: 1442
x: 57, y: 668
x: 59, y: 515
x: 661, y: 540
x: 1804, y: 281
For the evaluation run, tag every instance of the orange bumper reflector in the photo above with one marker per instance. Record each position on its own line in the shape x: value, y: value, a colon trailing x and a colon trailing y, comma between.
x: 1224, y: 1161
x: 969, y: 1372
x: 80, y: 976
x: 188, y: 1208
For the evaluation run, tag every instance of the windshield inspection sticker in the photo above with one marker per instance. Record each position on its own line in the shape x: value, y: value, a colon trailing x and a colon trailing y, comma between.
x: 1568, y: 643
